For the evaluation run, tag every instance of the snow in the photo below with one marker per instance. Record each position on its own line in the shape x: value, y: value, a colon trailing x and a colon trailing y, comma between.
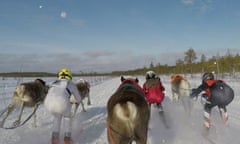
x: 90, y: 127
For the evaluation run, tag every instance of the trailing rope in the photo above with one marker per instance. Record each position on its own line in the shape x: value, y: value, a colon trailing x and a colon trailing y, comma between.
x: 110, y: 134
x: 26, y: 120
x: 3, y: 111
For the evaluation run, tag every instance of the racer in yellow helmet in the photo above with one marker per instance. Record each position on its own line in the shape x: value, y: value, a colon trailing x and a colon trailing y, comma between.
x: 61, y: 95
x: 64, y: 74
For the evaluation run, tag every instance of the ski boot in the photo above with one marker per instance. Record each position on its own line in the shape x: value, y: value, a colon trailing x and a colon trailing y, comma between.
x: 224, y: 115
x: 207, y: 121
x: 55, y: 138
x: 160, y: 108
x: 67, y: 140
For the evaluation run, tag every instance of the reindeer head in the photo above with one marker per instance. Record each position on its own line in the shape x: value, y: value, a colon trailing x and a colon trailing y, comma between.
x: 43, y: 83
x: 40, y: 81
x: 130, y: 79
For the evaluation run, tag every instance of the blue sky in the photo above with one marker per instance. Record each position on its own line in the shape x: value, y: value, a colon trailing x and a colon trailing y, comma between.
x: 109, y: 35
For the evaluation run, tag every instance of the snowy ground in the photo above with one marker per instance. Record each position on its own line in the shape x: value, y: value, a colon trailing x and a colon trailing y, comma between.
x: 90, y: 127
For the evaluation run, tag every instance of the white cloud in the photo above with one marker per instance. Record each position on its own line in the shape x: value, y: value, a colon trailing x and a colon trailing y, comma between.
x: 63, y: 14
x: 205, y: 5
x: 188, y: 2
x: 202, y: 5
x: 95, y: 61
x: 98, y: 53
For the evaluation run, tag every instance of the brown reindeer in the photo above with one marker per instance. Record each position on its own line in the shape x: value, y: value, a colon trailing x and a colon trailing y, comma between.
x: 128, y: 114
x: 29, y: 94
x: 84, y: 90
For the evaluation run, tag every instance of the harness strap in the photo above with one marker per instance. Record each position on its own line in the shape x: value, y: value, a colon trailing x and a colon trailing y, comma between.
x: 110, y: 130
x: 69, y: 92
x: 110, y: 134
x: 177, y: 77
x: 132, y: 86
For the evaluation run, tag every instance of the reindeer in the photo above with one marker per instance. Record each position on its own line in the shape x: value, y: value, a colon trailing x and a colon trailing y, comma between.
x: 181, y: 87
x: 84, y: 90
x: 128, y: 114
x: 29, y: 94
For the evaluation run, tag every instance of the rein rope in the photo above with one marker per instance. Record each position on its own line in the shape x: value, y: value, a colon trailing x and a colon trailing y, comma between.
x: 3, y: 111
x: 26, y: 120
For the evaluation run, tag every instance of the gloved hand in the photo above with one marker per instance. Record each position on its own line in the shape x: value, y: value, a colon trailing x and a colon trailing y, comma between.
x: 204, y: 96
x: 204, y: 99
x: 163, y: 88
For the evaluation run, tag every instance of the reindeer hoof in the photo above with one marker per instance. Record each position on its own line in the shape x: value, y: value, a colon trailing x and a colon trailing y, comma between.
x: 174, y: 99
x: 34, y: 125
x: 16, y: 123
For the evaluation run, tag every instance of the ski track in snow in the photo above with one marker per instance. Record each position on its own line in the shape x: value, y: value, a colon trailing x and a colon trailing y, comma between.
x: 90, y: 127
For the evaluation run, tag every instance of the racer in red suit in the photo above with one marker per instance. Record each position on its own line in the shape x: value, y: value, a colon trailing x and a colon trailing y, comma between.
x: 154, y: 90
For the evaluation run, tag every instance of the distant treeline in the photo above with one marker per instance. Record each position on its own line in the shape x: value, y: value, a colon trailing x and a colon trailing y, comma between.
x: 220, y: 65
x: 227, y: 64
x: 27, y: 74
x: 44, y: 74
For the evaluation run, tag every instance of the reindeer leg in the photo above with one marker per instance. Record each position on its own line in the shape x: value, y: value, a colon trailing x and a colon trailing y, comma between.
x: 10, y: 108
x: 82, y: 106
x: 89, y: 101
x: 75, y: 105
x: 173, y: 96
x: 17, y: 122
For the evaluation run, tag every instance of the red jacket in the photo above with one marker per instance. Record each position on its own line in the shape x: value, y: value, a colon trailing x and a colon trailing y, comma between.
x: 209, y: 83
x: 153, y: 91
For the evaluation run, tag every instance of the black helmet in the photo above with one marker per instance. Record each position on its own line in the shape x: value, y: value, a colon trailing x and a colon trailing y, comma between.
x: 150, y: 75
x: 207, y: 76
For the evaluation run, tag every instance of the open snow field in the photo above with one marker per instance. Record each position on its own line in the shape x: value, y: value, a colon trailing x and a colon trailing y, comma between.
x: 90, y: 127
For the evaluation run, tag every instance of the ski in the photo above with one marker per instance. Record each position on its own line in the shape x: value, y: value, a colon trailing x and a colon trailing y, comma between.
x: 163, y: 118
x: 77, y: 134
x: 206, y: 137
x: 208, y: 133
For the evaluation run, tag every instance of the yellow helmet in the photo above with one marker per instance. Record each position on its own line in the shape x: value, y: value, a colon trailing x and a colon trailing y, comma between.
x: 64, y: 74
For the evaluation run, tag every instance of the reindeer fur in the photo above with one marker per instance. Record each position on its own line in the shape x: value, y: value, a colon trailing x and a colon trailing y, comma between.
x: 28, y: 94
x: 128, y: 116
x: 84, y: 91
x: 181, y: 87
